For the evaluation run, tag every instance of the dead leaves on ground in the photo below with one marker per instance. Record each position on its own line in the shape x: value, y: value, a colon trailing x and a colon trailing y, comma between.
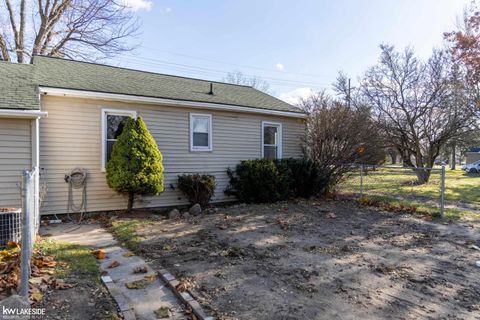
x: 42, y: 270
x: 142, y: 283
x: 128, y: 254
x: 185, y: 284
x: 140, y: 269
x: 113, y: 264
x: 163, y: 313
x: 330, y: 215
x: 99, y: 254
x: 282, y: 223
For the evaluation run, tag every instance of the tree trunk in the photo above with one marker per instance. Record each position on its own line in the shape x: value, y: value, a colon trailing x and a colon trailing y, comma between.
x: 422, y: 175
x: 131, y: 196
x: 453, y: 165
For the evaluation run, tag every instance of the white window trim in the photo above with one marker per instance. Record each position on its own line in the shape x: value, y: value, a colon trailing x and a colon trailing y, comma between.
x: 210, y: 133
x: 279, y: 135
x: 105, y: 112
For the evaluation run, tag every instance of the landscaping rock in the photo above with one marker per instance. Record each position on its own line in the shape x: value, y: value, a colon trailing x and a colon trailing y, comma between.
x: 195, y: 210
x: 211, y: 210
x: 186, y: 215
x: 15, y: 302
x: 174, y: 213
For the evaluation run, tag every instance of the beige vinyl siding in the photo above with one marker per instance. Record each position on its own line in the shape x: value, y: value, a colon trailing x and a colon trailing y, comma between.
x: 15, y: 156
x: 71, y: 137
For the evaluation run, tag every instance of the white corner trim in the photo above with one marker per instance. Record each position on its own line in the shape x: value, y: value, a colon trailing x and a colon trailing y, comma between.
x: 170, y: 102
x: 27, y: 114
x: 210, y: 132
x: 105, y: 112
x: 280, y: 137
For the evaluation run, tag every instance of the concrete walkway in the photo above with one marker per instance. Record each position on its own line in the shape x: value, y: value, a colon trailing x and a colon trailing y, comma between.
x: 138, y: 303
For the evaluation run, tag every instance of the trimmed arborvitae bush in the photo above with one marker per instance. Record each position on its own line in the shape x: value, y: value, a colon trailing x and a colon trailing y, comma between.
x: 259, y: 180
x: 198, y: 188
x: 135, y: 166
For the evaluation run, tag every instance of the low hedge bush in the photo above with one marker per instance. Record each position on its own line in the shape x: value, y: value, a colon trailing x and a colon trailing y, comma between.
x: 263, y: 180
x: 306, y: 179
x: 198, y: 188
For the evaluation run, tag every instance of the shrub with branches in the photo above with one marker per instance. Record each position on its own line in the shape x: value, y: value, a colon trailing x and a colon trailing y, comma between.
x: 338, y: 136
x: 198, y: 188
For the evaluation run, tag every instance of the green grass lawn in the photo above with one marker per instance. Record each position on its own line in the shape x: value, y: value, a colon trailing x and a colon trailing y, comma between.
x: 78, y: 260
x: 461, y: 190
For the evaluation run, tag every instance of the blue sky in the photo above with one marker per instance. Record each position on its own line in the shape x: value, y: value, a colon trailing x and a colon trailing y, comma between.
x: 297, y: 46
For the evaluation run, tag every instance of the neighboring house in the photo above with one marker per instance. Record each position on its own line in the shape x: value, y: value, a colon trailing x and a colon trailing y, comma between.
x: 60, y: 114
x: 472, y: 155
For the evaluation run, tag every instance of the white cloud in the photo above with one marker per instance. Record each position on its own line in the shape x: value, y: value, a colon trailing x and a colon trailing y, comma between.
x: 294, y: 96
x: 279, y: 67
x: 168, y: 10
x: 137, y: 5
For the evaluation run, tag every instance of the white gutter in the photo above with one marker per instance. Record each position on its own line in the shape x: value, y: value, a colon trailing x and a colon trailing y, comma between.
x: 25, y: 114
x: 170, y: 102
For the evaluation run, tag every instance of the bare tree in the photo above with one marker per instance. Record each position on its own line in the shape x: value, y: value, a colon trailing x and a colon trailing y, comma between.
x: 338, y: 136
x: 82, y: 29
x: 416, y: 105
x: 238, y: 77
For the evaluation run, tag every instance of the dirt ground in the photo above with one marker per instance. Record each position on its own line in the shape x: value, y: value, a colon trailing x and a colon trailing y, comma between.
x: 87, y: 300
x: 321, y: 260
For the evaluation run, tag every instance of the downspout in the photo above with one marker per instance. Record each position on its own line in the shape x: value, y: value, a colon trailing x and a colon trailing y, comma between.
x: 35, y: 123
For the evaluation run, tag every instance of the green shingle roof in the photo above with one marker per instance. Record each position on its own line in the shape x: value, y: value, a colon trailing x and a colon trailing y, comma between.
x: 17, y: 88
x: 68, y: 74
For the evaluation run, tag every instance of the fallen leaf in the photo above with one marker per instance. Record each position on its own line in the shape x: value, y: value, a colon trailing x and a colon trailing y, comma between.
x: 13, y: 244
x: 61, y: 285
x: 99, y: 253
x: 36, y: 296
x: 163, y: 313
x: 36, y: 280
x: 330, y: 215
x: 128, y: 254
x: 114, y: 264
x: 140, y: 269
x: 150, y: 278
x: 138, y: 284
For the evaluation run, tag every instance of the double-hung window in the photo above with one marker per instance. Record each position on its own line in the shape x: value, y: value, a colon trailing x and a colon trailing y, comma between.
x: 200, y: 132
x: 271, y: 140
x: 113, y: 122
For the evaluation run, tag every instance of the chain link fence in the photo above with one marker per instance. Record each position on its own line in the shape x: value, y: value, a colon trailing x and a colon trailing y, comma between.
x: 397, y: 186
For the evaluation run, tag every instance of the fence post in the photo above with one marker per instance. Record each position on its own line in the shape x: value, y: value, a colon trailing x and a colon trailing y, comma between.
x: 361, y: 182
x: 27, y: 237
x: 442, y: 193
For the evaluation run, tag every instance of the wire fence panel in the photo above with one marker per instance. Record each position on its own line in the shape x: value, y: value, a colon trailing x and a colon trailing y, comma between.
x: 10, y: 225
x: 398, y: 186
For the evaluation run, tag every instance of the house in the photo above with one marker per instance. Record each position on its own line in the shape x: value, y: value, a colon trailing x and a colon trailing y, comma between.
x: 59, y: 114
x: 472, y: 155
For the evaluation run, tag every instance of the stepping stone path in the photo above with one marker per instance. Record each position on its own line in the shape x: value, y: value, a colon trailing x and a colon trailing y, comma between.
x: 150, y: 296
x: 150, y: 301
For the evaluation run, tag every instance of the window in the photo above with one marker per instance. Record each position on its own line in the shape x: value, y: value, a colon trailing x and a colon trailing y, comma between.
x: 112, y: 126
x: 271, y: 140
x: 200, y: 132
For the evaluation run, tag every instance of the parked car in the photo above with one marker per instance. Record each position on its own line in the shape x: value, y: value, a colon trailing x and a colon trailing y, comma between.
x: 439, y: 162
x: 473, y: 167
